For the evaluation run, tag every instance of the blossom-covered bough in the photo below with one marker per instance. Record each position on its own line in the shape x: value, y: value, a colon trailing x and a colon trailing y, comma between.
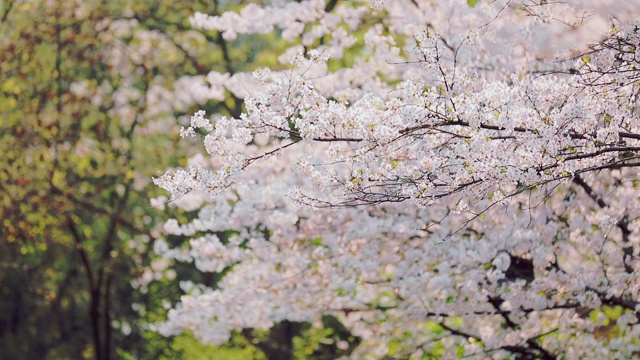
x: 446, y: 178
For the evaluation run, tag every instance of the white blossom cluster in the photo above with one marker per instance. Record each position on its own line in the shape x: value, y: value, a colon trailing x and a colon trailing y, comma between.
x: 455, y: 190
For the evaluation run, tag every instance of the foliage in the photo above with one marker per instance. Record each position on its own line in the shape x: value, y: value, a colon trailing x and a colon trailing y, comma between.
x: 190, y: 348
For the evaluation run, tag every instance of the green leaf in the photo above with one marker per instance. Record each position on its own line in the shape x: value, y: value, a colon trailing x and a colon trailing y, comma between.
x: 393, y: 347
x: 472, y: 3
x: 612, y: 312
x: 434, y: 328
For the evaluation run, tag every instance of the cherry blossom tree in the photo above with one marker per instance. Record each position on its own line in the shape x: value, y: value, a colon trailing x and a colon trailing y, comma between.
x: 445, y: 178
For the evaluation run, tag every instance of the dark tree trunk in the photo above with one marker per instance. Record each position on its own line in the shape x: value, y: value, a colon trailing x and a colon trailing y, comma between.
x: 94, y: 315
